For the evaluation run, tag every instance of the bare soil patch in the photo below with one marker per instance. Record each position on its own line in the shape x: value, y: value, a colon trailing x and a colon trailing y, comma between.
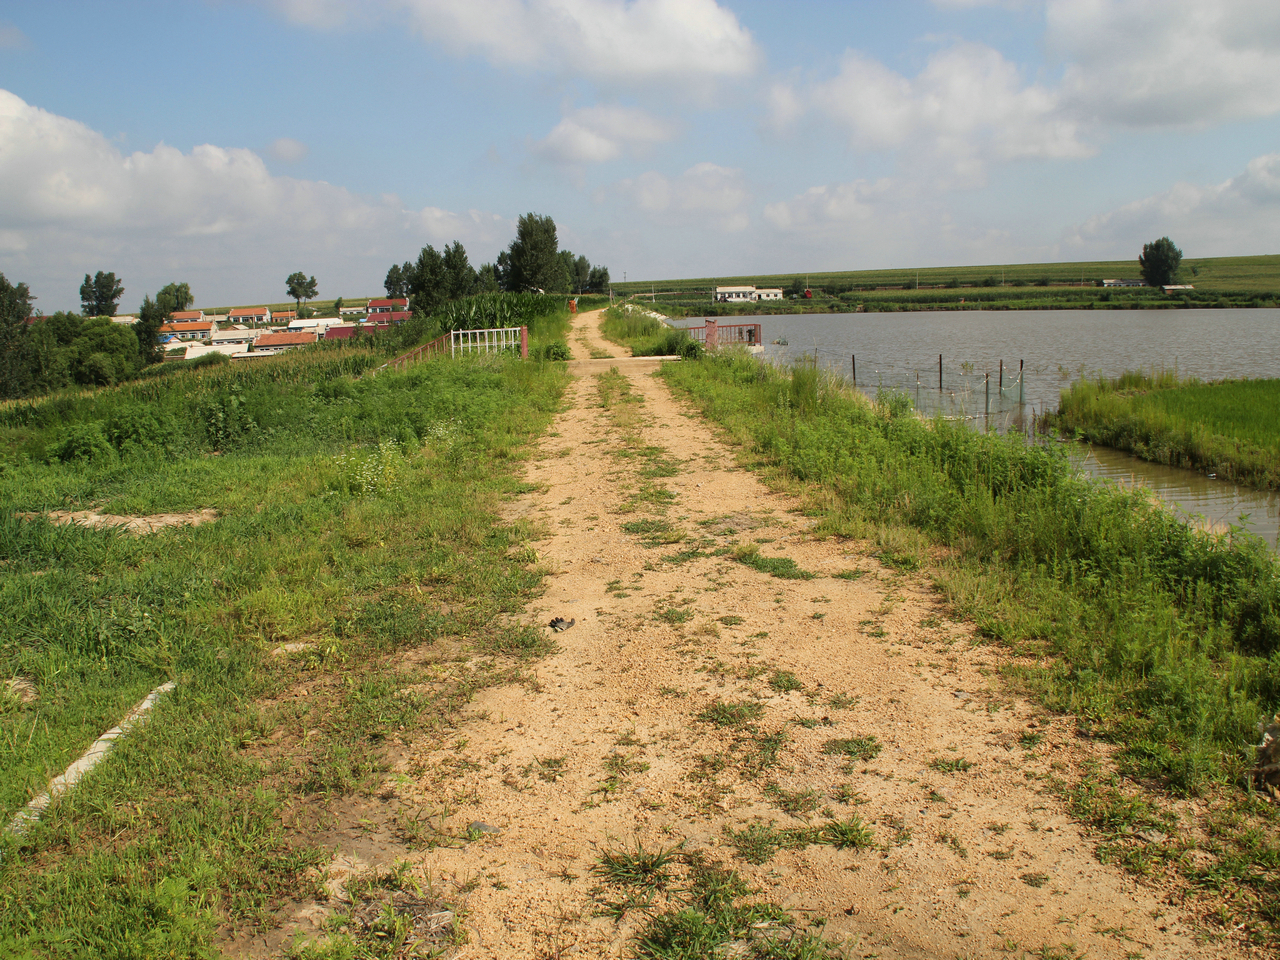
x: 732, y: 687
x: 136, y: 525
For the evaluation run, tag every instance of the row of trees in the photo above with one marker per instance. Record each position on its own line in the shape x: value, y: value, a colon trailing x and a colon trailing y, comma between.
x: 67, y: 348
x: 533, y: 262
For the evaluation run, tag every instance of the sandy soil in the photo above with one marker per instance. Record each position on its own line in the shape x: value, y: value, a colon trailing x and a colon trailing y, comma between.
x: 605, y: 749
x: 139, y: 525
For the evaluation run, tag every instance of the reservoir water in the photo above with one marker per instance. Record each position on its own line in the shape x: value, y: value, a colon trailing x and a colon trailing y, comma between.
x: 899, y: 351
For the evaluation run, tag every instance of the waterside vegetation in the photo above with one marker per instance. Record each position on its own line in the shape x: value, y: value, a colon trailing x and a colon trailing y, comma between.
x: 1159, y: 638
x: 1227, y: 428
x: 357, y: 516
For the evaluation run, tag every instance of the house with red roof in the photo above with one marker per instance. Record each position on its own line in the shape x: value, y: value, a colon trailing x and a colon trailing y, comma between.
x: 278, y: 342
x: 182, y: 316
x: 189, y: 329
x: 249, y: 315
x: 393, y: 305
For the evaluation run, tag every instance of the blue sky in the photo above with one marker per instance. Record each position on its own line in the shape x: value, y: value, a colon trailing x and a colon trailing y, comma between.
x: 229, y: 143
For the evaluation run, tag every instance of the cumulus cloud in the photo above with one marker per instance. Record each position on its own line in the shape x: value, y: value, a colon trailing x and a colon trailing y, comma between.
x: 859, y: 201
x: 1237, y: 217
x: 621, y: 41
x: 709, y: 194
x: 967, y: 106
x: 288, y: 150
x: 598, y: 134
x: 215, y: 217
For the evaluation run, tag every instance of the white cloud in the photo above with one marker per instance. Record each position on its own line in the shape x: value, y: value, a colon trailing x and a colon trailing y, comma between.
x: 848, y: 204
x: 214, y: 217
x: 669, y: 42
x: 1168, y: 62
x: 706, y: 193
x: 11, y: 37
x: 968, y: 106
x: 1238, y: 217
x: 288, y: 150
x: 598, y: 134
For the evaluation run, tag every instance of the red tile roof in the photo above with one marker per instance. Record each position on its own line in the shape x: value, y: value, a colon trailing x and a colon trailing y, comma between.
x: 187, y: 315
x: 248, y: 312
x: 187, y: 326
x: 383, y: 302
x: 284, y: 339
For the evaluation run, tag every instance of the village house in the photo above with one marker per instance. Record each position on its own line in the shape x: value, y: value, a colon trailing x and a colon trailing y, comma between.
x: 189, y: 329
x: 351, y: 309
x: 393, y: 305
x: 184, y: 316
x: 270, y: 343
x: 346, y: 331
x: 746, y: 294
x: 249, y: 315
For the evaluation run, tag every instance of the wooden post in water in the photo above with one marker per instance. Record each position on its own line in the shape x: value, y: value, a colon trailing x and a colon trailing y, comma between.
x: 987, y: 381
x: 939, y: 373
x: 1021, y: 395
x: 855, y: 370
x: 1002, y: 378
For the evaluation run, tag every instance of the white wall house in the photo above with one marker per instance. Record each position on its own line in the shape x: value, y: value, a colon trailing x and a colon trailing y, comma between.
x: 746, y: 294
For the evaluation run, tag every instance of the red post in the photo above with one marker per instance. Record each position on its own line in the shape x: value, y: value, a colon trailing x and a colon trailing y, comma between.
x: 713, y: 338
x: 524, y: 343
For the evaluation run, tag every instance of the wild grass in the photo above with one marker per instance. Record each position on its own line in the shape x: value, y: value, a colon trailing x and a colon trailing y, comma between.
x: 645, y: 335
x: 1228, y: 428
x: 351, y: 511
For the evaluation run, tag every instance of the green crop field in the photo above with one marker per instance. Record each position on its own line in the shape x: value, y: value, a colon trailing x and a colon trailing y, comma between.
x: 1260, y: 274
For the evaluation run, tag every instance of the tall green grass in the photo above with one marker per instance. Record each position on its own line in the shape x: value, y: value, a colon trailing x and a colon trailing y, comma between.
x: 1164, y: 638
x: 1229, y: 428
x: 352, y: 509
x: 647, y: 336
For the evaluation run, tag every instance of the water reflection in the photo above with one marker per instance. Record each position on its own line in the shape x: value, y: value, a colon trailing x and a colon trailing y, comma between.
x: 1214, y: 503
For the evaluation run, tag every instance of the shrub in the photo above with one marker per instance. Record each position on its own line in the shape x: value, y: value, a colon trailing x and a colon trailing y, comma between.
x: 84, y: 442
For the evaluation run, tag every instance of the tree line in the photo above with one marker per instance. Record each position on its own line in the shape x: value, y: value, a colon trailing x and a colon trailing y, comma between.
x: 533, y: 262
x: 43, y: 353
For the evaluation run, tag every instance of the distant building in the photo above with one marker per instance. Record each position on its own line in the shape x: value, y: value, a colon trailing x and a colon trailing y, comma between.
x: 189, y: 329
x: 1124, y: 283
x: 346, y: 331
x: 746, y: 294
x: 349, y: 309
x: 249, y: 315
x: 279, y: 342
x: 1177, y: 286
x: 179, y: 316
x: 393, y: 305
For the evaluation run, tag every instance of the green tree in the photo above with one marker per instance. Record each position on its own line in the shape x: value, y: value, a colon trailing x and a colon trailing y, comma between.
x: 175, y: 296
x: 598, y: 280
x: 104, y: 353
x: 99, y: 294
x: 337, y: 307
x: 1159, y: 262
x: 398, y: 281
x: 487, y: 279
x: 16, y: 349
x: 535, y: 256
x: 428, y: 285
x: 301, y: 287
x: 153, y: 315
x: 459, y: 276
x: 581, y: 277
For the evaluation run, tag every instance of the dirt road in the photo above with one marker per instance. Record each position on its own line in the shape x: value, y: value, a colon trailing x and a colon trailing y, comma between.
x: 703, y: 702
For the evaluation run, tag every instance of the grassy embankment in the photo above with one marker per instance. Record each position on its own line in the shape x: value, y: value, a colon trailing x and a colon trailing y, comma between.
x: 1228, y: 428
x: 1218, y: 282
x: 358, y: 517
x: 645, y: 336
x: 1156, y: 637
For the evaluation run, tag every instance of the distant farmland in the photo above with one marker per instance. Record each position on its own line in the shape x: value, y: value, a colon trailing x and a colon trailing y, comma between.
x: 1259, y: 276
